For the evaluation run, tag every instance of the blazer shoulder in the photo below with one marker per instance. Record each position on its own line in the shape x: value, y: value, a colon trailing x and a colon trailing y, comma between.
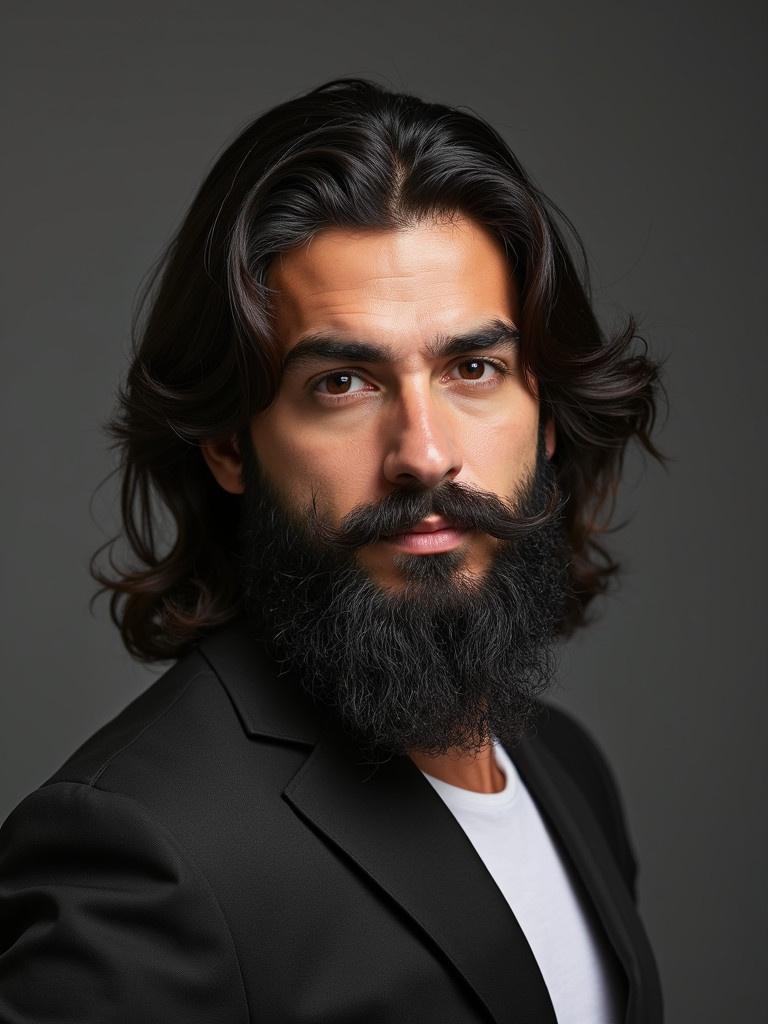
x: 93, y: 884
x: 569, y: 740
x: 571, y: 743
x: 167, y: 700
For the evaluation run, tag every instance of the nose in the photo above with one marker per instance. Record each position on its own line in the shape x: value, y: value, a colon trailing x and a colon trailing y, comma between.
x: 421, y: 448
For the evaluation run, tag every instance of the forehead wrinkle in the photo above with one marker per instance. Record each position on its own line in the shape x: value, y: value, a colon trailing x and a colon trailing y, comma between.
x: 372, y: 296
x: 314, y: 279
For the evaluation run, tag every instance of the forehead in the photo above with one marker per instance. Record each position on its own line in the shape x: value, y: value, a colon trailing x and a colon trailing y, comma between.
x: 396, y: 286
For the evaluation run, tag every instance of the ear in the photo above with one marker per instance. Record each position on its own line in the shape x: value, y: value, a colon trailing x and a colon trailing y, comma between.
x: 224, y: 461
x: 549, y: 437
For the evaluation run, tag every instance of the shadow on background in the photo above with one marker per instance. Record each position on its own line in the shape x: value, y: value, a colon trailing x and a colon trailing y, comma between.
x: 646, y: 126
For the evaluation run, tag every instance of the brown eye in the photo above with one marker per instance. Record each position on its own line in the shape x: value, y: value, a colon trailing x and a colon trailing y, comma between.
x: 475, y: 368
x: 337, y: 383
x: 340, y: 383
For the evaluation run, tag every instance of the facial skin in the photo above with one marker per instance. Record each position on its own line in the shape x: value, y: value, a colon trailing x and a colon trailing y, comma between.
x: 350, y: 431
x: 422, y: 419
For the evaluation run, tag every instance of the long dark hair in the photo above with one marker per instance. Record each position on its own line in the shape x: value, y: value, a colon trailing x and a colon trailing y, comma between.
x: 348, y: 154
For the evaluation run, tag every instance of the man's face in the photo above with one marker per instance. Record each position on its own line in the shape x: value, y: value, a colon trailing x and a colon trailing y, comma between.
x: 399, y: 411
x: 402, y: 409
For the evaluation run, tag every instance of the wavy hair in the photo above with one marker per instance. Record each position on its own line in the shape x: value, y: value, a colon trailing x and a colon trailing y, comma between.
x: 348, y: 154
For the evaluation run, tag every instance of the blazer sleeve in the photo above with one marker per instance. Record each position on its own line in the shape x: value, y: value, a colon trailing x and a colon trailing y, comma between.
x: 103, y: 919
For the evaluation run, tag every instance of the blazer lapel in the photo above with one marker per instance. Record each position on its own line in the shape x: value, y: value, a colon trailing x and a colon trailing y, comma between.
x: 562, y: 804
x: 268, y: 703
x: 388, y: 819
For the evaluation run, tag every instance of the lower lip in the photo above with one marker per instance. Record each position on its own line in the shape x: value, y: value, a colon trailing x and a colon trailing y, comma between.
x: 427, y: 543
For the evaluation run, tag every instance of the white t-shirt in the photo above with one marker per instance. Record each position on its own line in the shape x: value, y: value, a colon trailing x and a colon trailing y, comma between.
x: 514, y: 843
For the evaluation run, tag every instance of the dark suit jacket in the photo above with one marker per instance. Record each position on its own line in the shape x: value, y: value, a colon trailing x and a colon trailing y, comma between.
x: 218, y: 853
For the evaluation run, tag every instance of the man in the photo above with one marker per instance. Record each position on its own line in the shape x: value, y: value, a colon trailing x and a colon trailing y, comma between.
x: 373, y: 397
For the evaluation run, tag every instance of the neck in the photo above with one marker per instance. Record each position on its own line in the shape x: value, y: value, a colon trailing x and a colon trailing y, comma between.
x: 478, y: 772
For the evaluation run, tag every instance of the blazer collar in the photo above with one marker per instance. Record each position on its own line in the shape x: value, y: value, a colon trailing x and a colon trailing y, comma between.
x: 269, y: 704
x: 388, y: 818
x: 581, y: 838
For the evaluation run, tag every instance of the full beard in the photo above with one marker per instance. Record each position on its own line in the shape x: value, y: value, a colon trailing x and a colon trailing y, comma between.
x: 444, y: 663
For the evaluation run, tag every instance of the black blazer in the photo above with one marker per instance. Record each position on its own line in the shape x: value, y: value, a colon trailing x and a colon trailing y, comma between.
x: 217, y: 853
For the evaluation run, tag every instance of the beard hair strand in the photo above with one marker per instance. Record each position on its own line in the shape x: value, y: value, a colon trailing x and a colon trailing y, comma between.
x: 441, y: 665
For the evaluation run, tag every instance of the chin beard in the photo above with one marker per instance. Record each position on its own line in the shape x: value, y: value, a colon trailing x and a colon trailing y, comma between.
x: 448, y: 661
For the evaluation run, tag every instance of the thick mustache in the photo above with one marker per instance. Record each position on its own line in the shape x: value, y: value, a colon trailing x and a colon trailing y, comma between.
x: 464, y: 507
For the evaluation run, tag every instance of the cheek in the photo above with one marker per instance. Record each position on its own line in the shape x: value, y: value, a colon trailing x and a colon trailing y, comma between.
x: 501, y: 451
x: 343, y: 466
x: 339, y: 468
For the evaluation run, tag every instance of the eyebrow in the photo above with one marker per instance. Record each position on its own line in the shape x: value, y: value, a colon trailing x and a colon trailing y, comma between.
x: 330, y: 348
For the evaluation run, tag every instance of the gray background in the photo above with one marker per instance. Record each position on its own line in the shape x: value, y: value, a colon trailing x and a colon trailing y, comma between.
x: 645, y: 124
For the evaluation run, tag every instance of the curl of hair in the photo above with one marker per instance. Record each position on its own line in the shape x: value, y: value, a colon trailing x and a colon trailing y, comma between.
x: 348, y: 154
